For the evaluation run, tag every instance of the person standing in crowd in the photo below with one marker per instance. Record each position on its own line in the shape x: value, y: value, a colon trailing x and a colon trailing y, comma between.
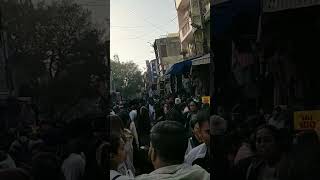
x: 116, y: 126
x: 167, y: 147
x: 277, y: 120
x: 6, y: 161
x: 47, y: 166
x: 195, y: 139
x: 200, y: 154
x: 266, y: 163
x: 73, y: 167
x: 151, y: 110
x: 304, y: 159
x: 144, y: 126
x: 165, y: 108
x: 193, y: 110
x: 133, y: 111
x: 117, y: 153
x: 130, y: 126
x: 174, y: 113
x: 160, y: 107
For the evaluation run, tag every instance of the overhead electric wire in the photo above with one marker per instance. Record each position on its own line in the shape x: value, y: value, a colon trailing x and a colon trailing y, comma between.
x: 149, y: 33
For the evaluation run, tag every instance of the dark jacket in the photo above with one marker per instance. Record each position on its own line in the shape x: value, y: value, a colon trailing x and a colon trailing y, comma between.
x: 175, y: 114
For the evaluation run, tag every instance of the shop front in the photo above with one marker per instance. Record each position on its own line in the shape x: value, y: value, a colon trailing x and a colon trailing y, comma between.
x: 191, y: 77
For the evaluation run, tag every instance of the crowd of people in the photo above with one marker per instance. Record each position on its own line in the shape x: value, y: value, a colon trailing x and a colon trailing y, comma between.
x: 245, y: 144
x: 162, y: 138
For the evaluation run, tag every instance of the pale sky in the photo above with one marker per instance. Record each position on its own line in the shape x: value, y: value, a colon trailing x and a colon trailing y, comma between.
x: 137, y: 23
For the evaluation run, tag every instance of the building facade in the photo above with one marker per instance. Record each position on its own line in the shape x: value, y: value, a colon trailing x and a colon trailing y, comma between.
x: 194, y: 33
x: 167, y: 51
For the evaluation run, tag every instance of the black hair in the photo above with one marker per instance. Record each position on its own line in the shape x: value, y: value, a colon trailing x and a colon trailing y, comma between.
x: 102, y: 155
x: 116, y: 123
x: 46, y: 166
x: 202, y: 117
x: 170, y: 141
x: 115, y: 139
x: 143, y: 121
x: 124, y: 116
x: 278, y: 135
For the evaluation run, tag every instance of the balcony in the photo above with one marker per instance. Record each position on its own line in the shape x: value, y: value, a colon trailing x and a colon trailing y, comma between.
x: 185, y: 30
x: 280, y: 5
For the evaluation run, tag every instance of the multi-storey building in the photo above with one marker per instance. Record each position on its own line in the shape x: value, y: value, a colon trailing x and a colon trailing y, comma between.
x: 167, y: 51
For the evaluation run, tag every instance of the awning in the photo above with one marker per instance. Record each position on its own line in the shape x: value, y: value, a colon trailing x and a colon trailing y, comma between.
x: 205, y: 59
x: 180, y: 68
x: 280, y: 5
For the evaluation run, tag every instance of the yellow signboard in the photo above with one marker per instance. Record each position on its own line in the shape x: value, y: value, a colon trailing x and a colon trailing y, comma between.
x: 206, y: 100
x: 304, y: 120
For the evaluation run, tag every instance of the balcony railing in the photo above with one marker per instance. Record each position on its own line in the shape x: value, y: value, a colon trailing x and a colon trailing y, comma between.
x: 279, y: 5
x: 186, y: 28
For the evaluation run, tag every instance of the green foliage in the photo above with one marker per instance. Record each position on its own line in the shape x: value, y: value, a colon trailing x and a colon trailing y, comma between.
x: 127, y: 77
x: 59, y: 45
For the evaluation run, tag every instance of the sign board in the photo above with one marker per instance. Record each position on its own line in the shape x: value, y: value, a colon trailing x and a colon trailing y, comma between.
x: 206, y: 100
x: 280, y: 5
x: 306, y: 120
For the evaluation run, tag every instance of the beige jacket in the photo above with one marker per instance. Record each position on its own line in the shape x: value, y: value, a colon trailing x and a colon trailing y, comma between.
x: 177, y: 172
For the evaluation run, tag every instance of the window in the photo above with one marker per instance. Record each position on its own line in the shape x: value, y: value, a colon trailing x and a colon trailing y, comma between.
x: 163, y: 49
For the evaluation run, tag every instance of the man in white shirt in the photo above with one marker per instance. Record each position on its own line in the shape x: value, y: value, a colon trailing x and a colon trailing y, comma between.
x: 201, y: 152
x: 73, y: 166
x: 169, y: 141
x: 133, y: 112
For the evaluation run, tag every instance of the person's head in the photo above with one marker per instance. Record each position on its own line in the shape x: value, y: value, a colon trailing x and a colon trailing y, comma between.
x: 132, y: 105
x: 168, y: 143
x: 46, y: 166
x: 14, y: 174
x: 124, y: 116
x: 267, y: 142
x: 203, y: 118
x: 151, y: 101
x: 195, y: 127
x: 144, y: 112
x: 74, y: 145
x: 116, y: 151
x: 217, y: 124
x: 307, y: 138
x: 116, y: 124
x: 193, y: 106
x: 220, y: 111
x: 170, y: 100
x: 276, y: 111
x: 177, y: 101
x: 165, y: 108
